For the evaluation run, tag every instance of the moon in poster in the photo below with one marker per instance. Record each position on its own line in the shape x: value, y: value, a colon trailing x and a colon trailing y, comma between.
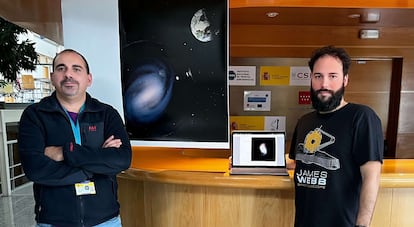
x: 200, y: 26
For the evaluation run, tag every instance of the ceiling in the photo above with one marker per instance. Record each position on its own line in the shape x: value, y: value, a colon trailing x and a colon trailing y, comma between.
x: 44, y: 17
x: 321, y: 16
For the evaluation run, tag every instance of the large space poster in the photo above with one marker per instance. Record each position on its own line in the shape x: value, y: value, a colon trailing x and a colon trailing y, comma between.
x: 174, y: 69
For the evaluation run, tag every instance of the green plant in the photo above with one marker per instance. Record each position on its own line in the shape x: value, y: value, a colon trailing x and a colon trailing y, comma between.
x: 14, y: 56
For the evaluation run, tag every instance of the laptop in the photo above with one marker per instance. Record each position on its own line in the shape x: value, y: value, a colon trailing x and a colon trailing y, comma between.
x: 258, y: 152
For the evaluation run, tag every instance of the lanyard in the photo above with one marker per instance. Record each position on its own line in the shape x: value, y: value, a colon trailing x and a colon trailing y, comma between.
x: 75, y: 126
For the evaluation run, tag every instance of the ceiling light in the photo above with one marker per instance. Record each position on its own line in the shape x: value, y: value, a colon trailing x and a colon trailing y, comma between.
x: 370, y: 17
x: 272, y: 14
x: 355, y: 15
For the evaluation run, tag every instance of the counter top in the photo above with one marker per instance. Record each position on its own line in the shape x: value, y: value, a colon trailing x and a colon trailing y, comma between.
x: 210, y: 179
x: 397, y: 173
x: 210, y: 168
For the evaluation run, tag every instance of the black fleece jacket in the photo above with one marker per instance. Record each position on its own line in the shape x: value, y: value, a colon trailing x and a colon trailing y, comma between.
x: 46, y: 124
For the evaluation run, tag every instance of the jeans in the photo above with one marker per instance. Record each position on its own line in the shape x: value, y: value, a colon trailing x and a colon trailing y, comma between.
x: 113, y: 222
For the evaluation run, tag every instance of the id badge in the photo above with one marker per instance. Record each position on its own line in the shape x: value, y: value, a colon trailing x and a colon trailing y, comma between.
x: 85, y: 188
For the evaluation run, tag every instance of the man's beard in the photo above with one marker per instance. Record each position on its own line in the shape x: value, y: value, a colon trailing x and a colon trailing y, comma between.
x: 330, y: 103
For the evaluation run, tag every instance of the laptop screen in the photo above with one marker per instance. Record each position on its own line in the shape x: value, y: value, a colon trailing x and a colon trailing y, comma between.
x: 258, y: 149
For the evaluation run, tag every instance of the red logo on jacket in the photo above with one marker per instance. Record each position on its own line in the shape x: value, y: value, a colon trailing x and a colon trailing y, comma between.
x: 92, y: 128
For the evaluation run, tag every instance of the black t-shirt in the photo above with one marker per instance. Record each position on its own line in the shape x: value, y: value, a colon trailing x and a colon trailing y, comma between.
x: 329, y: 150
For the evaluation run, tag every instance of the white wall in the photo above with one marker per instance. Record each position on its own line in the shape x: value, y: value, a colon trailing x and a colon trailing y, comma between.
x: 91, y: 27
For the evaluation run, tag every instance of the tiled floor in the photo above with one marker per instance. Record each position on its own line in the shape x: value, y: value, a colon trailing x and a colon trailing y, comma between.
x: 17, y: 210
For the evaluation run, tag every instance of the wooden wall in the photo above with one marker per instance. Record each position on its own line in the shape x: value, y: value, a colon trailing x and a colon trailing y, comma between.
x: 298, y: 41
x: 369, y: 84
x: 322, y: 3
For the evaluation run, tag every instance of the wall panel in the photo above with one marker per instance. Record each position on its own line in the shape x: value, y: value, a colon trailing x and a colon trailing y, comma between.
x: 273, y: 41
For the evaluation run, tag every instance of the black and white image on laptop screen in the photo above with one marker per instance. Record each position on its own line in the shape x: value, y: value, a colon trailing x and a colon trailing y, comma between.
x: 265, y: 149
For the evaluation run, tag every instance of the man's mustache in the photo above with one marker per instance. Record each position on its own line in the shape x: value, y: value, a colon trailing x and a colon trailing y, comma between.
x: 70, y: 80
x: 321, y: 90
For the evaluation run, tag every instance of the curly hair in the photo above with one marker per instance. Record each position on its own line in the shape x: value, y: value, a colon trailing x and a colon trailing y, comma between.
x: 333, y: 51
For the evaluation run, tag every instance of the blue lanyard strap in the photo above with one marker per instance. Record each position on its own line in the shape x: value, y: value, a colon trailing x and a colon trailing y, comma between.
x: 75, y: 126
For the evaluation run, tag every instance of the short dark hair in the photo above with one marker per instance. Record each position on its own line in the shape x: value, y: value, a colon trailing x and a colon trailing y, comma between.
x: 72, y: 51
x: 333, y: 51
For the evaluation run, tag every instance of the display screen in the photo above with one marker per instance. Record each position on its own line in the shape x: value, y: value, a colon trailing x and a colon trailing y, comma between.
x: 258, y: 148
x: 174, y: 62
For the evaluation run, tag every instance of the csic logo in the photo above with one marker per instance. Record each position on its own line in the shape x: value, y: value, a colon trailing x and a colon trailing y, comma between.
x: 303, y: 75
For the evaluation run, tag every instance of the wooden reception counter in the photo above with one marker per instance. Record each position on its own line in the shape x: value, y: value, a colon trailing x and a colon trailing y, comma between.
x: 180, y: 188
